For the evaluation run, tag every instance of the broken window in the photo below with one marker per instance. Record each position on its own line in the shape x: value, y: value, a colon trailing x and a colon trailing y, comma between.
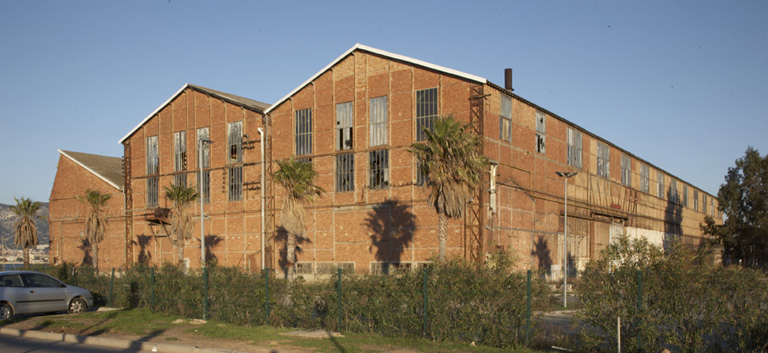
x: 378, y: 124
x: 378, y: 169
x: 426, y: 111
x: 345, y: 172
x: 235, y: 172
x: 303, y: 132
x: 626, y: 170
x: 645, y: 179
x: 541, y: 130
x: 180, y: 158
x: 574, y: 148
x: 603, y: 160
x: 660, y: 179
x: 505, y: 118
x: 344, y: 126
x: 153, y: 171
x: 205, y: 187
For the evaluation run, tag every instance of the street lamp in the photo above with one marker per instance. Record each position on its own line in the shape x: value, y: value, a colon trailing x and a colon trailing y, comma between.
x: 565, y: 176
x: 200, y: 144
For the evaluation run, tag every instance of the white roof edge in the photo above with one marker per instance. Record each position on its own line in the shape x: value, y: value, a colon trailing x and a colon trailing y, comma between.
x: 153, y: 113
x: 90, y: 170
x: 382, y: 53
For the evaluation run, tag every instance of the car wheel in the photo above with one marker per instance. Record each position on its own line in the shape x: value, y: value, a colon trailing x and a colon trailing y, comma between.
x: 77, y: 305
x: 5, y: 312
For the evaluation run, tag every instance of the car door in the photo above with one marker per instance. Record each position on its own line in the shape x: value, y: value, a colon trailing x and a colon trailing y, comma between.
x: 46, y: 294
x: 12, y: 289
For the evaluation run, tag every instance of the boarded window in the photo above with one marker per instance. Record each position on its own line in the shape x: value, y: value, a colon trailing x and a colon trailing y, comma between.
x: 645, y: 179
x: 603, y: 160
x: 153, y: 169
x: 660, y: 179
x: 574, y: 148
x: 541, y: 131
x: 180, y: 158
x: 685, y: 195
x: 235, y: 157
x: 426, y: 111
x: 378, y: 125
x: 695, y: 200
x: 345, y: 121
x: 345, y: 172
x: 205, y: 188
x: 303, y: 132
x: 505, y: 118
x: 378, y: 169
x: 626, y: 170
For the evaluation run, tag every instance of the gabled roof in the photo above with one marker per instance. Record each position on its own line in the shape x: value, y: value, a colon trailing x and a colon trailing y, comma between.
x: 246, y: 103
x: 109, y: 169
x: 386, y: 54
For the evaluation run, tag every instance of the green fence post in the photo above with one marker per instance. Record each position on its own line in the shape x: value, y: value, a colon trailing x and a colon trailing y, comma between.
x: 338, y: 319
x: 111, y: 287
x: 266, y: 296
x: 528, y: 310
x: 205, y: 293
x: 152, y: 287
x: 639, y: 307
x: 426, y: 303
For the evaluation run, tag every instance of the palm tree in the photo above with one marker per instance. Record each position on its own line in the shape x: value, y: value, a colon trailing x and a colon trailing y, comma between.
x: 451, y: 159
x: 26, y: 229
x: 297, y: 177
x: 96, y: 222
x: 181, y: 220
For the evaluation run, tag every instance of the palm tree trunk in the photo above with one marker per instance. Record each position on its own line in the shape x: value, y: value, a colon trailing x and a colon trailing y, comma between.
x: 26, y: 256
x: 180, y: 253
x: 95, y: 256
x: 291, y: 255
x: 442, y: 225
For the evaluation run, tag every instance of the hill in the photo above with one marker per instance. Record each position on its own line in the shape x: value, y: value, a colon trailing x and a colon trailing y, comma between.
x: 7, y: 219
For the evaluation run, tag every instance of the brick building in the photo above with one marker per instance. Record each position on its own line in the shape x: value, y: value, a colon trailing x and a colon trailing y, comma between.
x: 76, y: 173
x: 356, y: 118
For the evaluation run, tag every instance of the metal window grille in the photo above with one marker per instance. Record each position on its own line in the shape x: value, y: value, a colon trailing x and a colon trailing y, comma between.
x: 303, y: 133
x: 685, y: 195
x: 378, y: 125
x: 644, y: 179
x: 378, y: 171
x: 344, y: 126
x: 235, y: 158
x: 603, y: 160
x: 304, y: 268
x: 626, y: 170
x: 153, y: 169
x: 505, y: 119
x: 203, y: 134
x: 180, y: 158
x: 330, y: 268
x: 574, y: 148
x: 660, y: 179
x: 426, y: 111
x: 695, y: 200
x: 345, y: 172
x: 383, y: 268
x: 541, y: 131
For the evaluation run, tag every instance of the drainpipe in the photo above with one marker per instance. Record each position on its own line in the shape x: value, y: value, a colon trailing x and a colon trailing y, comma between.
x: 263, y: 197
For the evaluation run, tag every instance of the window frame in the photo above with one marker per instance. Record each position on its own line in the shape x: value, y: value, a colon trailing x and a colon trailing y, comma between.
x: 603, y: 160
x: 180, y: 158
x: 203, y: 133
x: 235, y: 169
x: 661, y: 187
x: 645, y: 179
x: 345, y: 126
x: 153, y: 171
x: 541, y: 132
x: 378, y: 175
x: 378, y: 121
x: 303, y: 132
x: 345, y: 172
x: 626, y: 170
x: 427, y: 106
x: 575, y: 147
x: 505, y: 118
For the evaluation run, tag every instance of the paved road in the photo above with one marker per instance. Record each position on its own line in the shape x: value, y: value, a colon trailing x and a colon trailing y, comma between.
x: 12, y: 344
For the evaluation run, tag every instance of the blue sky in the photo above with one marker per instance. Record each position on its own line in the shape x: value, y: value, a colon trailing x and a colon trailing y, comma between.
x: 681, y: 84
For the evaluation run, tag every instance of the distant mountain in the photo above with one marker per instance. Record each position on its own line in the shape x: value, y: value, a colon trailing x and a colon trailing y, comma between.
x: 7, y: 230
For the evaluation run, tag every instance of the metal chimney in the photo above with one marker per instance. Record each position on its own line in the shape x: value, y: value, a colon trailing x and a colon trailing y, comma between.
x: 508, y: 79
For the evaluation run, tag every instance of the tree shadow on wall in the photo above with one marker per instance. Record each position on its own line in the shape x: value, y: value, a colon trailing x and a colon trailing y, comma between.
x: 145, y: 256
x: 673, y: 218
x: 85, y: 246
x: 211, y: 241
x: 392, y: 225
x: 543, y: 254
x: 282, y: 236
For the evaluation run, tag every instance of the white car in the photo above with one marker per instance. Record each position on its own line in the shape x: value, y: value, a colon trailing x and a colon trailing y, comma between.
x: 26, y: 292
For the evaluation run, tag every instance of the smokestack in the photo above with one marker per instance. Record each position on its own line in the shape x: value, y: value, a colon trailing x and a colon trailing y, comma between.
x: 508, y: 79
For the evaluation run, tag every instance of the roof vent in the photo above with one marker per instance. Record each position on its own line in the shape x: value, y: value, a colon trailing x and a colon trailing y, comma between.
x: 508, y: 79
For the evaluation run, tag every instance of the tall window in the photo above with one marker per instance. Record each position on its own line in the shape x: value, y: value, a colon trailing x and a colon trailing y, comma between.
x: 345, y: 121
x: 673, y: 196
x: 378, y: 169
x: 695, y: 200
x: 712, y: 207
x: 153, y: 171
x: 505, y: 118
x: 685, y: 195
x: 603, y: 160
x: 574, y: 148
x: 378, y: 122
x: 235, y: 160
x: 345, y: 172
x: 660, y: 179
x: 205, y: 186
x: 426, y: 111
x: 180, y: 158
x: 626, y: 170
x: 645, y: 183
x: 704, y: 204
x: 541, y: 131
x: 303, y: 132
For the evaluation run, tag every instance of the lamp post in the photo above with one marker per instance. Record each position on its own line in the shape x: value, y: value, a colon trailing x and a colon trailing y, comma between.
x: 200, y: 144
x: 565, y: 176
